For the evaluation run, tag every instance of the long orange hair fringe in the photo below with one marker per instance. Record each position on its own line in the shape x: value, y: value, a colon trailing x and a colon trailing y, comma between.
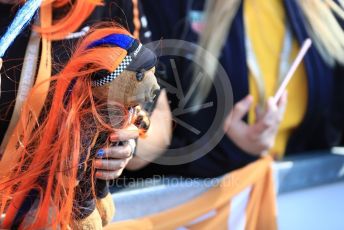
x: 79, y: 11
x: 49, y: 156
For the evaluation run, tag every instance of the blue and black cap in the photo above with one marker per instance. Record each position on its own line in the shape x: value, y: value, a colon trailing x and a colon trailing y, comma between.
x: 139, y: 58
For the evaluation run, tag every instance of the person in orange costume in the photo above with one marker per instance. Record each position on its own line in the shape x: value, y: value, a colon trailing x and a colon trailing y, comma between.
x: 50, y: 181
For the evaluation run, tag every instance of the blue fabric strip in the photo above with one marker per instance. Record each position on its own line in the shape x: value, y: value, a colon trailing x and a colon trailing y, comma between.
x: 121, y: 40
x: 21, y: 20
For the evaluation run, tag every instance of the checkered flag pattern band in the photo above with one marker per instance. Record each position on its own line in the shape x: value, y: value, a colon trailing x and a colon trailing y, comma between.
x: 109, y: 78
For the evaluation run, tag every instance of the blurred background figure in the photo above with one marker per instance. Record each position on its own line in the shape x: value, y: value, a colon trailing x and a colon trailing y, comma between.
x: 256, y: 41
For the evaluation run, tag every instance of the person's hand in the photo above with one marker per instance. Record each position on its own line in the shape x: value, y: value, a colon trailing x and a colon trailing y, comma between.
x: 111, y: 161
x: 258, y: 138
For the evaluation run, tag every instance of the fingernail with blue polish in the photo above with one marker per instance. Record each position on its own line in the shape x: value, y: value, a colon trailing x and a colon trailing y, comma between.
x: 100, y: 153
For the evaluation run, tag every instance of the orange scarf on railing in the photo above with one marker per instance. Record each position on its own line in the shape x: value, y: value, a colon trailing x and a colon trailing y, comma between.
x: 244, y: 199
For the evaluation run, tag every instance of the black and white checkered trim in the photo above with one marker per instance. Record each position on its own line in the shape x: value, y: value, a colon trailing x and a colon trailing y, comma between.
x: 109, y: 78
